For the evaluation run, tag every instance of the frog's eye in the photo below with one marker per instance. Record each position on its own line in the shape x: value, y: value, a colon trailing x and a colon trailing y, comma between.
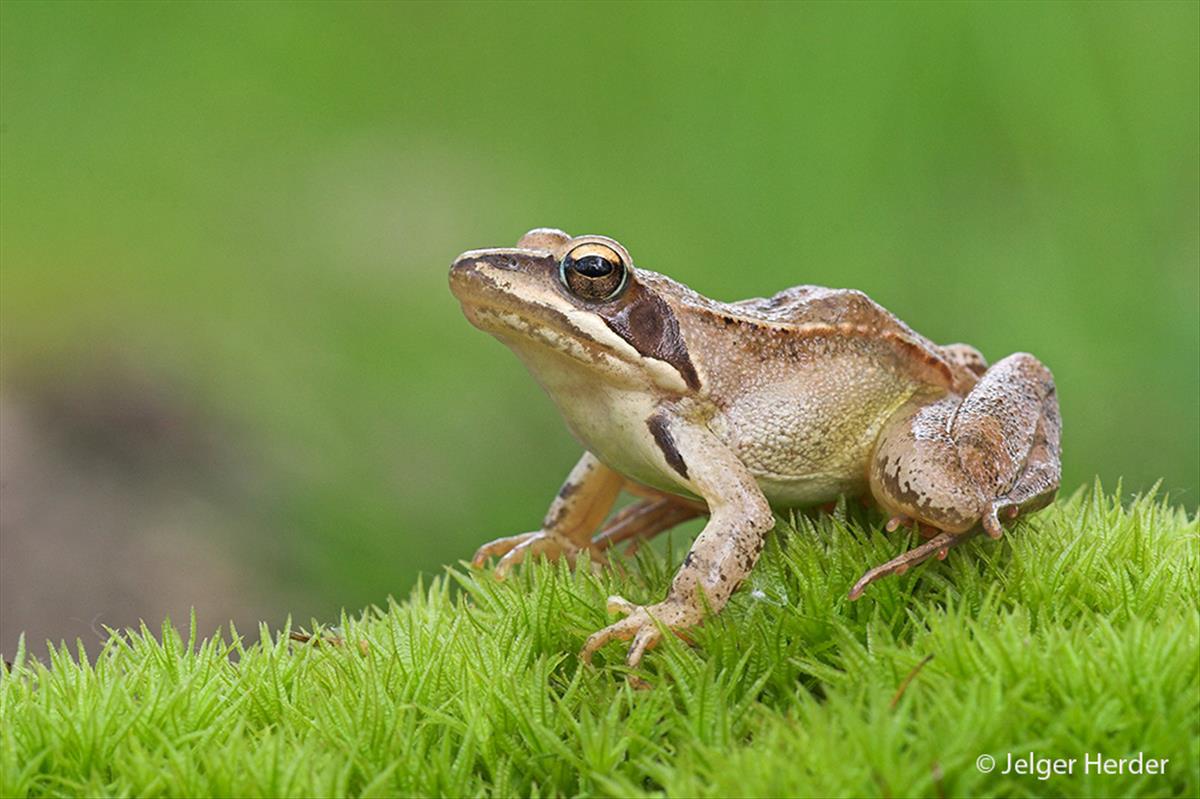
x: 593, y: 272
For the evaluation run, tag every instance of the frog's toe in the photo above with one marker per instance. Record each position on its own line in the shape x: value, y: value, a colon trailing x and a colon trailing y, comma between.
x: 644, y: 624
x: 619, y: 604
x: 938, y: 546
x: 991, y: 520
x: 516, y: 549
x: 497, y: 548
x: 637, y: 625
x: 646, y: 637
x: 541, y: 543
x: 598, y: 639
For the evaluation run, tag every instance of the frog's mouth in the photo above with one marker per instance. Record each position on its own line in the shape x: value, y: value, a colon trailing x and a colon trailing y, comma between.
x: 516, y: 295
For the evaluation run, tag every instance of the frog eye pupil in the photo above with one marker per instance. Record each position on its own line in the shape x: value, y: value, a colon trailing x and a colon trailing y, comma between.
x: 593, y: 276
x: 593, y: 266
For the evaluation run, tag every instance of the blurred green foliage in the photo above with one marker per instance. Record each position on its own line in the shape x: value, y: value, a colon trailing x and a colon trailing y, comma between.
x: 257, y: 203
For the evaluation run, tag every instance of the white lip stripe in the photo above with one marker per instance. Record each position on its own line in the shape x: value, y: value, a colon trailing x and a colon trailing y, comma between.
x: 584, y: 324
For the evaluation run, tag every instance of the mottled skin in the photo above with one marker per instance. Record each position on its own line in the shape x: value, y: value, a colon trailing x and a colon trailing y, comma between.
x: 732, y: 409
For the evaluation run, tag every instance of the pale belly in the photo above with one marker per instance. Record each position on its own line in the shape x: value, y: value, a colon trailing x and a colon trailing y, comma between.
x: 612, y: 425
x: 610, y: 422
x: 807, y: 439
x: 800, y: 452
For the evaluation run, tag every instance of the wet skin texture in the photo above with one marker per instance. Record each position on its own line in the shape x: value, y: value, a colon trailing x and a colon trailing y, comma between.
x: 731, y: 409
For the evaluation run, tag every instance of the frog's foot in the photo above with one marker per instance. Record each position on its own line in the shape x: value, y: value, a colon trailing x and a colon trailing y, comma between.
x: 939, y: 545
x: 515, y: 549
x: 927, y: 531
x: 643, y: 520
x: 641, y: 623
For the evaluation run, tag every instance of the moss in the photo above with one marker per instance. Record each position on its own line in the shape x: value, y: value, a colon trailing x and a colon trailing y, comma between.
x: 1077, y: 634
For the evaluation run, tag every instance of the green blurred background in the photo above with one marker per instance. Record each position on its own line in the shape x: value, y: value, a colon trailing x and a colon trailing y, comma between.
x: 232, y: 374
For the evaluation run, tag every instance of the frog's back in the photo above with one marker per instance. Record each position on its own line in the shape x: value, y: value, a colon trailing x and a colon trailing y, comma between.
x: 813, y: 304
x: 802, y: 309
x: 805, y: 379
x: 808, y: 312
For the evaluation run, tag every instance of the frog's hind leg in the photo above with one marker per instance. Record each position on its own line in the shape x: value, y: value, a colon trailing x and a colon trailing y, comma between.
x: 1008, y: 434
x: 954, y: 463
x: 655, y: 513
x: 1038, y: 481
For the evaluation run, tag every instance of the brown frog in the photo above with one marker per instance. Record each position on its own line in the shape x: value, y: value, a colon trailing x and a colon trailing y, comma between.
x: 730, y: 410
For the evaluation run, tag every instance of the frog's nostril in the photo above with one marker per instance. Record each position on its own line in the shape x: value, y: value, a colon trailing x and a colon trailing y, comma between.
x: 471, y: 260
x: 508, y: 262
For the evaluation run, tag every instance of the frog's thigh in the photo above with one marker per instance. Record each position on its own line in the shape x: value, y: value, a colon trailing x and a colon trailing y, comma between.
x: 915, y: 469
x: 952, y: 462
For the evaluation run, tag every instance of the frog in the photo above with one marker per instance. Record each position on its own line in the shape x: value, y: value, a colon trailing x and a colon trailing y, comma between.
x: 739, y: 411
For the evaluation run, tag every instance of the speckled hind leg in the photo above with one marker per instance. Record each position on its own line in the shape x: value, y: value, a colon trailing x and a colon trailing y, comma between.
x: 1008, y: 433
x: 1037, y: 484
x: 956, y: 463
x: 966, y: 355
x: 581, y: 504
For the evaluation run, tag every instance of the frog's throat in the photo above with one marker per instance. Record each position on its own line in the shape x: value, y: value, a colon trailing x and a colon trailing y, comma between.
x: 544, y: 347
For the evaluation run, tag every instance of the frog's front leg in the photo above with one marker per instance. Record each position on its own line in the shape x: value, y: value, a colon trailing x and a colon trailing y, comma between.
x: 721, y: 556
x: 581, y: 504
x: 955, y: 463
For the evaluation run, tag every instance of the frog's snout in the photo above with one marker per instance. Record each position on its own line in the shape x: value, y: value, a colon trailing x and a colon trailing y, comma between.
x: 501, y: 271
x: 458, y: 273
x: 478, y: 273
x: 471, y: 260
x: 465, y: 273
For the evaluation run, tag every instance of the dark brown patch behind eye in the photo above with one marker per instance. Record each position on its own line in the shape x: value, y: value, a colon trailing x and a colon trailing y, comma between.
x: 645, y: 321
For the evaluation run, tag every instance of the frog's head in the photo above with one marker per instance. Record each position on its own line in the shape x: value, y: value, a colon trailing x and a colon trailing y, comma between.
x: 563, y: 302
